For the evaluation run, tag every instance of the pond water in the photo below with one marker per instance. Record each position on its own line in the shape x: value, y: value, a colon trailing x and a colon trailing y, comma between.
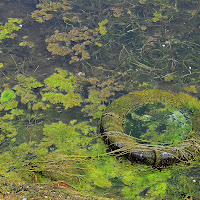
x: 156, y: 124
x: 63, y: 62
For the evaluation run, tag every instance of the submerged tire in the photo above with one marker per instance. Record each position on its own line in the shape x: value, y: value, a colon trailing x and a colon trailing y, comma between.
x: 144, y: 151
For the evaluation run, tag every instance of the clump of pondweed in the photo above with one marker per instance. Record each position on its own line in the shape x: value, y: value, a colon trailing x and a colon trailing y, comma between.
x: 6, y: 31
x: 7, y: 95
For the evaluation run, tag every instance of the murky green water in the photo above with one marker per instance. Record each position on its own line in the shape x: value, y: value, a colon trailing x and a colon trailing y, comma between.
x: 157, y: 124
x: 63, y: 62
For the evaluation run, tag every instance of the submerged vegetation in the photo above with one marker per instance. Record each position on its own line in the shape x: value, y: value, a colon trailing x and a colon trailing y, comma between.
x: 49, y: 129
x: 38, y: 148
x: 6, y: 31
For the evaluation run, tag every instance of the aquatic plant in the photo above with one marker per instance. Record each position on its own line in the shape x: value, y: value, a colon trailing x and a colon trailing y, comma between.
x: 135, y: 48
x: 191, y: 89
x: 140, y: 181
x: 26, y: 43
x: 19, y: 121
x: 42, y: 149
x: 117, y: 12
x: 48, y: 9
x: 69, y: 139
x: 25, y: 112
x: 157, y: 16
x: 169, y: 77
x: 74, y: 41
x: 9, y: 112
x: 61, y: 88
x: 98, y: 95
x: 7, y: 95
x: 6, y: 31
x: 102, y: 29
x: 25, y: 89
x: 1, y: 65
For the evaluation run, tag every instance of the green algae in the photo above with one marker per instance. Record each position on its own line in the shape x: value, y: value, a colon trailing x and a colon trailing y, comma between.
x: 24, y: 89
x: 7, y: 95
x: 43, y: 150
x: 157, y: 17
x: 28, y: 82
x: 74, y: 153
x: 62, y: 80
x: 154, y: 182
x: 9, y: 27
x: 99, y: 94
x: 101, y: 173
x: 61, y: 88
x: 158, y: 124
x: 102, y: 29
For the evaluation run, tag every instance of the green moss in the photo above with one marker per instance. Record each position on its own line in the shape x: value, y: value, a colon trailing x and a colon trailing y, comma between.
x: 141, y: 98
